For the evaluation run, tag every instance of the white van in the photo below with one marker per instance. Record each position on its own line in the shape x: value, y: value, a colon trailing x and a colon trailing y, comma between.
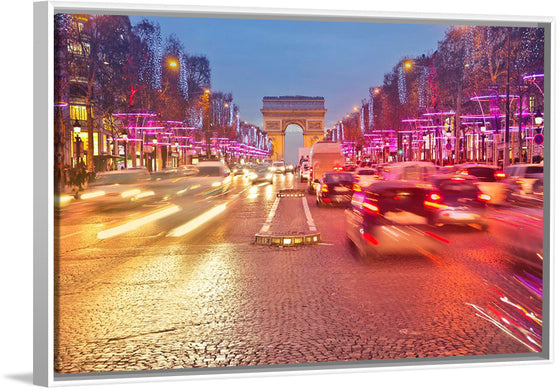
x: 325, y: 156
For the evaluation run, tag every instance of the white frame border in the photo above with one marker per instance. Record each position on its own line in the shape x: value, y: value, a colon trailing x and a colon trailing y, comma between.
x: 43, y: 317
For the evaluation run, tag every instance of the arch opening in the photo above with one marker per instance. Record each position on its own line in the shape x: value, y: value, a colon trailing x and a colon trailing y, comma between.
x: 293, y: 141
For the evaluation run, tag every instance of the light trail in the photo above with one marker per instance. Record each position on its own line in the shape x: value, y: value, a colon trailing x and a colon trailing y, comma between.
x: 92, y: 195
x: 134, y: 224
x: 197, y: 221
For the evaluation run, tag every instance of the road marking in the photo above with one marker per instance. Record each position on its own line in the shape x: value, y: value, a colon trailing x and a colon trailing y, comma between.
x: 134, y: 224
x: 266, y: 225
x: 310, y: 221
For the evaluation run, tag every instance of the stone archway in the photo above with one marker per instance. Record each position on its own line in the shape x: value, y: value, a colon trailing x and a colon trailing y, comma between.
x: 281, y: 111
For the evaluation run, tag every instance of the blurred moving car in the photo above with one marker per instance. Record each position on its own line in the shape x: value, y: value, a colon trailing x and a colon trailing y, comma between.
x: 364, y: 177
x: 525, y: 179
x: 304, y: 172
x: 213, y: 175
x: 390, y: 217
x: 119, y: 186
x: 260, y: 173
x: 490, y: 181
x: 289, y: 168
x: 237, y: 170
x: 409, y: 171
x: 335, y: 188
x: 278, y: 167
x: 457, y: 200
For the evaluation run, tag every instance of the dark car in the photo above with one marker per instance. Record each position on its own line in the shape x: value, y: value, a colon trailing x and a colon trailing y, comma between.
x: 457, y: 200
x: 390, y: 217
x: 335, y: 188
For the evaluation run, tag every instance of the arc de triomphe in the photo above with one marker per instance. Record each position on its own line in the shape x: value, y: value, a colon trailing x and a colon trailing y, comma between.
x: 281, y: 111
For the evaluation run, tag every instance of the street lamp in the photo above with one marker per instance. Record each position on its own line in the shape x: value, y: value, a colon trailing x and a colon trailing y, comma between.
x: 77, y: 129
x: 483, y: 136
x: 539, y: 119
x: 154, y: 157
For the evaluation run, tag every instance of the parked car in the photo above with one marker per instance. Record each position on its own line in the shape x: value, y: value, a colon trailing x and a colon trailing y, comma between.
x: 389, y: 218
x: 490, y: 181
x: 335, y: 189
x: 457, y: 200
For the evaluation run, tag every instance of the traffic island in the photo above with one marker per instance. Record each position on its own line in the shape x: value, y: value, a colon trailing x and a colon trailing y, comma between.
x: 289, y: 222
x: 291, y: 193
x: 287, y: 240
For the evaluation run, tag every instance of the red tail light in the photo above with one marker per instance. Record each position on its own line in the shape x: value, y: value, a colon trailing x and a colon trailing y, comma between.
x: 324, y: 188
x: 498, y: 174
x: 484, y: 197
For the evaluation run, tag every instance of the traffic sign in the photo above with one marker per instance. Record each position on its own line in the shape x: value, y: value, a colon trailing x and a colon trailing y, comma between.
x: 539, y: 139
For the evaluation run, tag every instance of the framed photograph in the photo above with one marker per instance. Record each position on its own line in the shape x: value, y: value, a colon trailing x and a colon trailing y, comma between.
x: 235, y: 191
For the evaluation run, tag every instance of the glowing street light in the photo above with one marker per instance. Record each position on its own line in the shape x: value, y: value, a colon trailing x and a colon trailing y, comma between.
x: 407, y: 64
x: 173, y: 63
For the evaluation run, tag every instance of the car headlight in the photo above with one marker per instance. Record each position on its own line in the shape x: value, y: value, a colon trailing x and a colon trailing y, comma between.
x: 216, y: 184
x: 269, y: 175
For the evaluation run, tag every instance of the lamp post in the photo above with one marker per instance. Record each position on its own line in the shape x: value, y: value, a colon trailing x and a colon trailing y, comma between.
x: 125, y: 139
x: 77, y: 129
x: 206, y: 119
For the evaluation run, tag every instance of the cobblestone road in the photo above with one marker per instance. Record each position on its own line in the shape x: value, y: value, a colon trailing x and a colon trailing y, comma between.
x: 145, y: 300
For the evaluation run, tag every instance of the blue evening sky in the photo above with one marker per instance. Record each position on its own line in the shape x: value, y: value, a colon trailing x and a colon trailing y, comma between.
x: 336, y: 60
